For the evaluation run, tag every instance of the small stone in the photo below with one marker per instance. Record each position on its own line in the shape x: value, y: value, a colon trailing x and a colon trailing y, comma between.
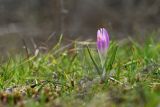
x: 9, y: 90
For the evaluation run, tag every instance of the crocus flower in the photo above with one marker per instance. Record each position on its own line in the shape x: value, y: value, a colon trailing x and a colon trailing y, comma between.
x: 102, y: 41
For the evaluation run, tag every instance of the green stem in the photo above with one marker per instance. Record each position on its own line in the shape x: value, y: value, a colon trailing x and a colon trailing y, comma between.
x: 95, y: 64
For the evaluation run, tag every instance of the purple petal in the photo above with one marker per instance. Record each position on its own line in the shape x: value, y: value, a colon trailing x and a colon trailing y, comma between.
x: 105, y: 33
x: 102, y: 40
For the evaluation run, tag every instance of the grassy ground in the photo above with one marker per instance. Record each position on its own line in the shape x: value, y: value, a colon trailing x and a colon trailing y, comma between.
x: 67, y: 77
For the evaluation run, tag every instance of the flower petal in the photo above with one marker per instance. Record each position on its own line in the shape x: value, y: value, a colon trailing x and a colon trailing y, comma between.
x: 102, y: 40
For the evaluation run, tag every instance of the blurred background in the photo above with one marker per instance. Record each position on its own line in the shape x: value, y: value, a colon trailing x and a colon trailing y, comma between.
x: 40, y: 22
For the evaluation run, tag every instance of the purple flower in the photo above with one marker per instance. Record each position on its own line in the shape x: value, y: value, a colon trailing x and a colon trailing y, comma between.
x: 102, y: 40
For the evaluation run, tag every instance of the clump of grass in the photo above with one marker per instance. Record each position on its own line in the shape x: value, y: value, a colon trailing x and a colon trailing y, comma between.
x: 68, y: 77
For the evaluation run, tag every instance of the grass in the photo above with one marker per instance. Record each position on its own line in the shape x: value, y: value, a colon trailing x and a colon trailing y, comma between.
x: 67, y: 77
